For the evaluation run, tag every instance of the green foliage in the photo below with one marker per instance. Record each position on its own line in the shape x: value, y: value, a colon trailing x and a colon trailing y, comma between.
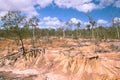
x: 16, y: 25
x: 100, y: 33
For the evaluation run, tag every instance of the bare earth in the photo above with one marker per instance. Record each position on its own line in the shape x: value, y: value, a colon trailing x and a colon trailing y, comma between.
x: 64, y: 59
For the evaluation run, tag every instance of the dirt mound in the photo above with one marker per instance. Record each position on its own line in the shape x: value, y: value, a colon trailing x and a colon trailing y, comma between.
x: 90, y: 67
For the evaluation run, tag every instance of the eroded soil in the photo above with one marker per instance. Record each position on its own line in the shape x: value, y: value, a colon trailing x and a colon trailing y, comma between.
x: 63, y: 59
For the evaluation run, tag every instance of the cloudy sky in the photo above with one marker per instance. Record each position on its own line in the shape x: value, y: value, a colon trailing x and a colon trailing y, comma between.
x: 52, y: 13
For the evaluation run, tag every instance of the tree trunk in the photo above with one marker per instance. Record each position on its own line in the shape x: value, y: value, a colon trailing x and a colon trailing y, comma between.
x: 118, y: 34
x: 93, y: 36
x: 63, y: 33
x: 33, y: 38
x: 22, y: 44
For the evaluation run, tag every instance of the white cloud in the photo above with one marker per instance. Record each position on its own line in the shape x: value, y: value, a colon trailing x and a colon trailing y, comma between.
x: 86, y: 7
x: 117, y: 20
x: 101, y: 21
x: 86, y: 23
x: 27, y: 6
x: 80, y: 5
x: 117, y: 4
x: 75, y: 21
x: 2, y: 13
x: 44, y: 3
x: 70, y: 3
x: 104, y: 3
x: 16, y: 5
x: 50, y: 19
x: 22, y: 5
x: 52, y: 22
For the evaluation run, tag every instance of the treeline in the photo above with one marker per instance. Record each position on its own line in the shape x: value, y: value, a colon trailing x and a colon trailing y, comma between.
x: 16, y: 25
x: 99, y: 32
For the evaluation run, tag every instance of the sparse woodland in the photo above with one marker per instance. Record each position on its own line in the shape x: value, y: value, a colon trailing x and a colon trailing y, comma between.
x: 91, y: 53
x: 11, y: 28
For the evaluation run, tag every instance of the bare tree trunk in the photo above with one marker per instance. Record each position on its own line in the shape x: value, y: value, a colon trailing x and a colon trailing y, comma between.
x: 63, y: 33
x: 22, y: 44
x: 33, y: 38
x: 118, y: 34
x: 93, y: 36
x: 80, y: 33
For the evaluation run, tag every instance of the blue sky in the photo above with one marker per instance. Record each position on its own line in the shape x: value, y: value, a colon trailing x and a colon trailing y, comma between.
x: 66, y: 14
x: 50, y: 12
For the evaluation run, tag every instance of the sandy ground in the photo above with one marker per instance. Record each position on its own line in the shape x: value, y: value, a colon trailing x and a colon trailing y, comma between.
x: 64, y: 60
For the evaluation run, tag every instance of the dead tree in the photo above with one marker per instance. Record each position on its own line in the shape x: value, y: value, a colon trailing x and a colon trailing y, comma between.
x: 13, y: 20
x: 34, y: 52
x: 93, y: 23
x: 62, y: 27
x: 10, y: 58
x: 34, y: 23
x: 115, y: 23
